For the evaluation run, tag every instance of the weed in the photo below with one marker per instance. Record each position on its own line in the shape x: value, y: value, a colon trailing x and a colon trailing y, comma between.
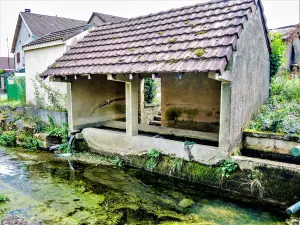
x: 28, y: 142
x: 118, y: 162
x: 201, y: 32
x: 132, y: 49
x: 153, y: 158
x: 160, y: 32
x: 8, y: 138
x: 177, y: 165
x: 3, y: 198
x: 227, y: 167
x: 186, y: 22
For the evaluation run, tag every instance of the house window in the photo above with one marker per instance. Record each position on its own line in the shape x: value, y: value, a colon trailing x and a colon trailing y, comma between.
x: 18, y: 57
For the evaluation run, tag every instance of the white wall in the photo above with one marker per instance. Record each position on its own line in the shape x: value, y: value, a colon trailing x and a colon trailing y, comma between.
x: 24, y: 38
x: 37, y: 61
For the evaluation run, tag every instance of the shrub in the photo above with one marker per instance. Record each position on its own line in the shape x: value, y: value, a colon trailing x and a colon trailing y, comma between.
x: 8, y: 138
x: 150, y: 90
x: 227, y: 167
x: 151, y: 163
x: 282, y: 112
x: 3, y: 198
x: 278, y: 52
x: 28, y: 142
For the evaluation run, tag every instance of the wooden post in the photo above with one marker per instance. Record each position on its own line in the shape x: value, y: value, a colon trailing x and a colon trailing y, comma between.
x: 70, y: 107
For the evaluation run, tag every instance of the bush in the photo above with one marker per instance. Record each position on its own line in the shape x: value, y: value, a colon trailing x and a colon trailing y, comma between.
x: 3, y: 198
x: 282, y: 112
x: 150, y: 90
x: 28, y: 142
x: 8, y: 138
x: 278, y: 52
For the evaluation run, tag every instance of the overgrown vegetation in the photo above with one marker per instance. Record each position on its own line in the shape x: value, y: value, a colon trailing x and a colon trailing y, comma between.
x: 150, y: 90
x: 8, y: 138
x: 57, y: 101
x: 278, y: 52
x: 28, y: 142
x: 3, y: 198
x: 153, y: 159
x: 226, y: 168
x: 282, y: 112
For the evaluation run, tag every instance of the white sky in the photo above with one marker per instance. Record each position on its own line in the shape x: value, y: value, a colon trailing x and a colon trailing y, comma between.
x: 278, y: 12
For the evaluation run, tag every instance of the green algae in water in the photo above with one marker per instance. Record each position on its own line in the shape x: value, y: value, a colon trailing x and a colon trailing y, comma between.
x: 44, y: 190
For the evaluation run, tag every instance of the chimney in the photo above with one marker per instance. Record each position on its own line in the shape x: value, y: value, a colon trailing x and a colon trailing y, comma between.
x: 27, y: 10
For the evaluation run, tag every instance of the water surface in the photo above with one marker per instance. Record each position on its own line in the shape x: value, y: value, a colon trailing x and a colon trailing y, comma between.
x: 44, y: 190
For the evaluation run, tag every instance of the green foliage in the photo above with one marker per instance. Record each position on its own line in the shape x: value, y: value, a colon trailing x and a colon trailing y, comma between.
x: 3, y: 198
x: 56, y: 99
x: 64, y: 147
x: 153, y: 158
x: 278, y: 52
x: 118, y: 162
x: 177, y: 165
x: 28, y: 142
x: 150, y: 90
x: 54, y: 129
x: 2, y: 71
x: 282, y: 112
x: 8, y: 138
x: 227, y: 167
x: 13, y: 104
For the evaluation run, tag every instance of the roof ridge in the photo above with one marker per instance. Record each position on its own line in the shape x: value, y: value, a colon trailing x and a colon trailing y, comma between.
x: 36, y: 14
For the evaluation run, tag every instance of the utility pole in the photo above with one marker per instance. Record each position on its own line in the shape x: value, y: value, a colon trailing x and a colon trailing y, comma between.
x: 7, y: 53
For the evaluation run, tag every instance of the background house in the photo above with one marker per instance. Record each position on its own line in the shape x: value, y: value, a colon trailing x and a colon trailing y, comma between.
x: 214, y: 74
x: 7, y: 65
x: 291, y: 35
x: 100, y: 18
x: 43, y: 51
x: 31, y: 26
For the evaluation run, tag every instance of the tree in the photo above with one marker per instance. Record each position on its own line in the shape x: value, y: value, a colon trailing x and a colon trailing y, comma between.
x: 149, y: 90
x: 278, y: 52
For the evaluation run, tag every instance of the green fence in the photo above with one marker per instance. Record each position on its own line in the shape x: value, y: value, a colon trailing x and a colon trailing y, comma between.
x: 15, y: 87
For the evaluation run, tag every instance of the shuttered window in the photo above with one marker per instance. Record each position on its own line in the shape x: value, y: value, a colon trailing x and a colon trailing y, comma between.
x: 18, y: 57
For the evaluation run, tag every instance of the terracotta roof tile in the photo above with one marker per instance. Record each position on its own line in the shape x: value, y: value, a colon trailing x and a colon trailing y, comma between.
x: 197, y: 38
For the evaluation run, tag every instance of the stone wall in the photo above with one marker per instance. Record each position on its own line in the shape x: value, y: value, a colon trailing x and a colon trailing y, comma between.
x: 249, y: 75
x: 191, y: 103
x: 96, y: 100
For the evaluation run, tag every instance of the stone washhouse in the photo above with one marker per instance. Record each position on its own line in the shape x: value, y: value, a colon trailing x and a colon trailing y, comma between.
x: 213, y: 61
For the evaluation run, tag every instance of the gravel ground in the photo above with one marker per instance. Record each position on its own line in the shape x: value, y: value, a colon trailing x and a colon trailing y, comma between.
x: 14, y: 220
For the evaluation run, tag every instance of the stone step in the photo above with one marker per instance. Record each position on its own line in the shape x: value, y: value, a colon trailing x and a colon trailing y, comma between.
x: 157, y: 118
x: 155, y: 123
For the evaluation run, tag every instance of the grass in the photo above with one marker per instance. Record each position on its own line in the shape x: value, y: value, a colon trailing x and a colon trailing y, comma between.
x: 10, y: 103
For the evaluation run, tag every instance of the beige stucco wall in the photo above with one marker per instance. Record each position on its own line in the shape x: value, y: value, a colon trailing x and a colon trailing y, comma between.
x: 96, y: 100
x: 37, y: 61
x: 192, y: 102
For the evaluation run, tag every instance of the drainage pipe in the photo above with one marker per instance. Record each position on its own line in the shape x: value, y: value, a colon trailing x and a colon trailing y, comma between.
x: 294, y: 208
x: 296, y: 151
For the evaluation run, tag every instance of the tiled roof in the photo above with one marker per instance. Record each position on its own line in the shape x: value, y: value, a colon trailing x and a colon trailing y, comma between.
x: 58, y: 35
x: 105, y: 18
x: 196, y: 38
x: 40, y: 25
x: 286, y: 31
x: 4, y: 63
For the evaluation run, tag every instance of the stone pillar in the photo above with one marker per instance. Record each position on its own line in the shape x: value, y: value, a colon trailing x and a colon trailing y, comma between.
x: 2, y: 83
x: 70, y: 107
x: 132, y: 104
x: 224, y: 134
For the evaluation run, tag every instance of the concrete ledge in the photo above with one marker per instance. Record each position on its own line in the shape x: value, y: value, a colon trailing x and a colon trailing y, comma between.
x: 167, y: 131
x: 277, y: 136
x: 118, y: 143
x: 248, y: 163
x: 269, y: 145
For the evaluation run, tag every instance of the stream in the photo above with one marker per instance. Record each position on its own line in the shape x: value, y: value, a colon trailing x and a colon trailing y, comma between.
x: 44, y: 190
